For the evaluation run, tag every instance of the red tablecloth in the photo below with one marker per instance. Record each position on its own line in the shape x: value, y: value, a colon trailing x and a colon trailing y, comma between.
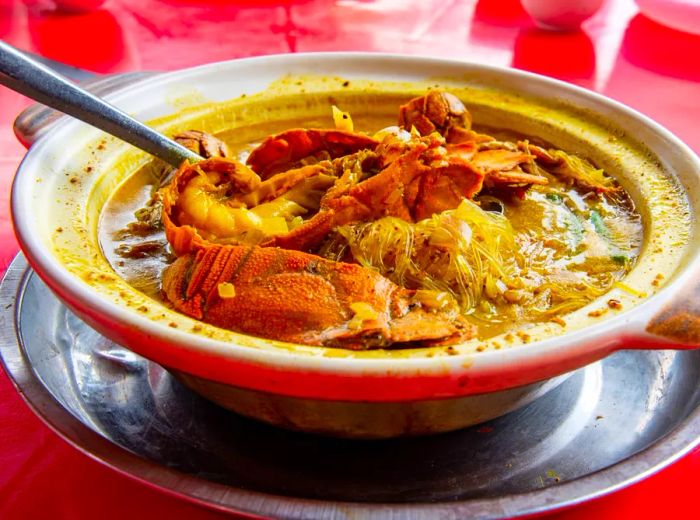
x: 619, y: 52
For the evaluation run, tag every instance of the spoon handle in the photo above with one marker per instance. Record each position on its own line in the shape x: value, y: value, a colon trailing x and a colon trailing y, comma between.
x: 34, y: 80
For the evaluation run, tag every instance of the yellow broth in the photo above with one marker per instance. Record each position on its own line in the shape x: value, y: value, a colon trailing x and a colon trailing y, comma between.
x: 569, y: 246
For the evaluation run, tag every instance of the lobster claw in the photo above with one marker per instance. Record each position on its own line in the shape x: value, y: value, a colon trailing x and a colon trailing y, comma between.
x: 283, y: 151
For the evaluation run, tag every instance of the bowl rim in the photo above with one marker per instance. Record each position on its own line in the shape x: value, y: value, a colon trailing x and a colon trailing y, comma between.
x: 606, y: 335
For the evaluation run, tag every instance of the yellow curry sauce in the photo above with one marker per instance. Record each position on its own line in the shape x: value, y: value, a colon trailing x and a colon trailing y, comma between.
x: 514, y: 255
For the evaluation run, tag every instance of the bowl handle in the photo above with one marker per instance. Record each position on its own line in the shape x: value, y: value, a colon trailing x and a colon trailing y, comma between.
x: 678, y: 320
x: 34, y: 121
x: 674, y: 323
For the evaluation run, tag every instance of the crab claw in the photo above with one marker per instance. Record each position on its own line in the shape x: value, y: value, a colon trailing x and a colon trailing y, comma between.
x: 283, y: 151
x: 302, y: 298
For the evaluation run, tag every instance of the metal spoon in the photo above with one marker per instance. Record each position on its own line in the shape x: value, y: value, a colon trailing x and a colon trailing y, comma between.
x: 29, y: 77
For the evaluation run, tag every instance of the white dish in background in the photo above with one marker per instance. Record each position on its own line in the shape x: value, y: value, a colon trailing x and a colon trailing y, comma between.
x: 682, y: 15
x: 561, y: 15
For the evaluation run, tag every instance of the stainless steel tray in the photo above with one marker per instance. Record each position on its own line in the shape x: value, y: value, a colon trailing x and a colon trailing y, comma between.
x: 609, y: 425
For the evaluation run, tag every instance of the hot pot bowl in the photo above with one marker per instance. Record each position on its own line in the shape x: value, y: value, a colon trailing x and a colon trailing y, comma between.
x: 70, y: 171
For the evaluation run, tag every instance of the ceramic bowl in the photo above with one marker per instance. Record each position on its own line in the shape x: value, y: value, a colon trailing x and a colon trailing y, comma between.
x: 70, y: 171
x: 682, y: 15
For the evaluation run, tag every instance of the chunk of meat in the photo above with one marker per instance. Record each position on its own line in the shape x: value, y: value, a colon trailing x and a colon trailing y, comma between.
x: 221, y: 200
x: 502, y: 168
x: 203, y: 144
x: 422, y: 180
x: 437, y: 111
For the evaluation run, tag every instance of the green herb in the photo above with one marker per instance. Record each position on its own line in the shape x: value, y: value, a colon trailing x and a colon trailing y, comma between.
x: 575, y: 227
x: 553, y: 475
x: 599, y: 224
x: 554, y: 197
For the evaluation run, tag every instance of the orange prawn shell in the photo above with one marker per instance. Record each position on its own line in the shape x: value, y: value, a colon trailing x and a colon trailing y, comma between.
x: 278, y: 152
x: 302, y: 298
x: 183, y: 239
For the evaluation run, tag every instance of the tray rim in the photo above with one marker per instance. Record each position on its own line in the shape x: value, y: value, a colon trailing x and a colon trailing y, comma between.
x: 253, y: 504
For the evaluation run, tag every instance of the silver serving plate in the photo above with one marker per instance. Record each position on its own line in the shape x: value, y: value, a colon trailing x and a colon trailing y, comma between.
x: 609, y: 425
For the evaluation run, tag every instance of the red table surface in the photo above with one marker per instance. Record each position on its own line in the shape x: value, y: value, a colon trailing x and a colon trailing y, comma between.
x: 619, y: 52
